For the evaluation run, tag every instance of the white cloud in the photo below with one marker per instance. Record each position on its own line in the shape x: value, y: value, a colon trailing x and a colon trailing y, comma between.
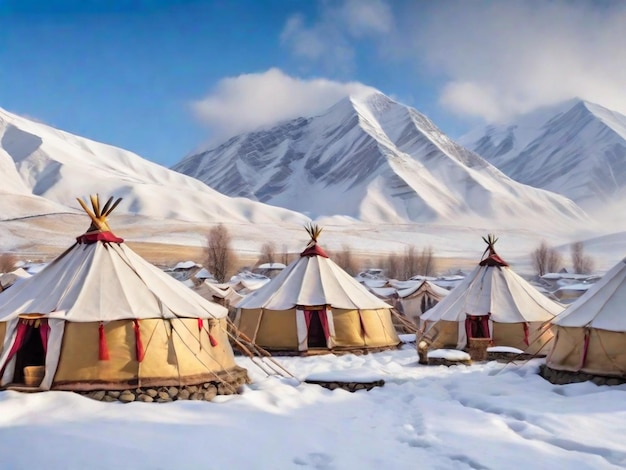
x: 502, y: 58
x: 305, y: 42
x: 250, y: 101
x: 329, y: 40
x: 366, y: 17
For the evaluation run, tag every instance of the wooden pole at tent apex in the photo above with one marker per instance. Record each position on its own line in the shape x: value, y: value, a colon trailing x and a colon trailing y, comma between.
x: 490, y: 240
x: 314, y: 232
x: 99, y: 214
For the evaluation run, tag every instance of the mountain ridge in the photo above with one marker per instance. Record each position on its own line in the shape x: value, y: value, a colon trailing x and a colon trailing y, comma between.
x: 52, y: 167
x: 578, y: 149
x: 382, y: 161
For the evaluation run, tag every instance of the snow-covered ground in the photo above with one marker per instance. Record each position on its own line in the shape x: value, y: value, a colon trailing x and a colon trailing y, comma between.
x: 486, y: 416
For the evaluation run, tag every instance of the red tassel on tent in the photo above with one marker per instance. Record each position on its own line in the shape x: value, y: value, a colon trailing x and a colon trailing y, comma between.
x: 103, y: 351
x: 138, y: 343
x: 200, y: 326
x: 526, y: 341
x: 212, y: 339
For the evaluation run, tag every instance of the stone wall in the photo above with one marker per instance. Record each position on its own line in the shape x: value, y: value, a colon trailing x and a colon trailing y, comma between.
x: 206, y: 391
x: 561, y: 377
x: 440, y: 361
x: 509, y: 357
x: 349, y: 386
x: 335, y: 351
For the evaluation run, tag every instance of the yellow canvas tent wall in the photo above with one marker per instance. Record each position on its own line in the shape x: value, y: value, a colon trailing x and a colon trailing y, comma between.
x: 313, y: 303
x: 101, y: 317
x: 590, y: 336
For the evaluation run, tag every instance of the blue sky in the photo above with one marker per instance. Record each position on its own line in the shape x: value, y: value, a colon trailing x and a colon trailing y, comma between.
x: 162, y: 77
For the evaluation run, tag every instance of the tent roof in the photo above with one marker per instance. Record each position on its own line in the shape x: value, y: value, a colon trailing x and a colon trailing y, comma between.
x: 312, y: 279
x: 8, y: 279
x: 495, y: 289
x: 104, y: 281
x: 422, y: 288
x: 207, y: 289
x: 602, y: 306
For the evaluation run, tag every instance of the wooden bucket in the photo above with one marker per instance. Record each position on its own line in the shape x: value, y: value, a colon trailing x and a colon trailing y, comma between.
x: 33, y: 375
x: 478, y: 348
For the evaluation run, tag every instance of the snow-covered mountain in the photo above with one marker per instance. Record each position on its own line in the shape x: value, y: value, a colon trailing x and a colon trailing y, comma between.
x: 43, y: 170
x: 375, y: 160
x: 577, y: 149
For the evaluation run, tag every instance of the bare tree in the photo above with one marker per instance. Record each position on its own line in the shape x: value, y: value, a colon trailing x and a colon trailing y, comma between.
x: 284, y: 256
x: 546, y: 259
x: 394, y: 266
x: 268, y: 253
x: 427, y: 262
x: 346, y: 260
x: 7, y: 262
x: 220, y: 256
x: 411, y: 262
x: 581, y: 263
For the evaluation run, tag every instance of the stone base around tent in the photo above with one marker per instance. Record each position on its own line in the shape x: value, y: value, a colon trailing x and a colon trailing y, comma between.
x: 562, y: 377
x: 442, y: 357
x: 440, y: 361
x: 349, y: 386
x: 508, y: 356
x: 336, y: 351
x: 229, y: 385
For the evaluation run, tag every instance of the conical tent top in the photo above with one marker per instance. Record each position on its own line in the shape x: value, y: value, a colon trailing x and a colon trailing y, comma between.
x: 492, y: 258
x: 312, y: 248
x: 99, y: 229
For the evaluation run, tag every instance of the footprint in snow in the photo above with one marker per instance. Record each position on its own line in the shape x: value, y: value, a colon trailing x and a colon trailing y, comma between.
x: 317, y: 460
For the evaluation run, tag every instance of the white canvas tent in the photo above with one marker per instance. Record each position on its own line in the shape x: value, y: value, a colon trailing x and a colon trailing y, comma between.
x: 219, y: 293
x: 101, y: 317
x: 8, y: 279
x: 313, y: 303
x: 421, y: 297
x: 492, y: 302
x: 591, y: 333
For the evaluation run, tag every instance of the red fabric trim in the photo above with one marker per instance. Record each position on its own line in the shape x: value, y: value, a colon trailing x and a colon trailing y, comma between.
x: 315, y: 250
x: 212, y: 339
x: 103, y: 350
x: 526, y: 341
x: 307, y: 318
x: 44, y: 332
x: 93, y: 237
x: 493, y: 260
x: 200, y: 326
x: 484, y: 321
x: 138, y: 343
x: 23, y: 329
x: 324, y: 321
x: 477, y: 326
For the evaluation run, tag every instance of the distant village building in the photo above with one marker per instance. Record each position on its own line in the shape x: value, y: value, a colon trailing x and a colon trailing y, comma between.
x: 270, y: 270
